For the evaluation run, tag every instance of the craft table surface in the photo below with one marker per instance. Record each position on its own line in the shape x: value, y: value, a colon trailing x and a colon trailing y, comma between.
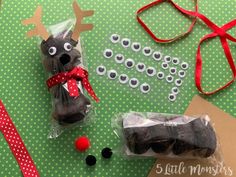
x: 23, y: 90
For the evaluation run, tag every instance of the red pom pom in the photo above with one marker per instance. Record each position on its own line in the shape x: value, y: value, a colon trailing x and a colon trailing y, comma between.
x: 82, y: 143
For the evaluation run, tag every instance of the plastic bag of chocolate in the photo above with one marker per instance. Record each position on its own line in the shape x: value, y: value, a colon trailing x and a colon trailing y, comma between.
x: 67, y: 76
x: 166, y: 135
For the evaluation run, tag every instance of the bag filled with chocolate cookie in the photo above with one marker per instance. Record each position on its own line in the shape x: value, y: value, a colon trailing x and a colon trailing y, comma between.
x: 67, y: 76
x: 166, y: 135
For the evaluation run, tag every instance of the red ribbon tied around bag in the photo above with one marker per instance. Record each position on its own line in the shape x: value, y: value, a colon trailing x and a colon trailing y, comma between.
x: 71, y: 77
x: 16, y: 144
x: 217, y: 32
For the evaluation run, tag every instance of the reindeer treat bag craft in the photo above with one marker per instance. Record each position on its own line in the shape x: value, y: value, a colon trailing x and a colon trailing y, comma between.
x: 63, y: 60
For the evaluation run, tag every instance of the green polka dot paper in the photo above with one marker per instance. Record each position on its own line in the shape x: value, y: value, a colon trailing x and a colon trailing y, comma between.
x: 23, y: 90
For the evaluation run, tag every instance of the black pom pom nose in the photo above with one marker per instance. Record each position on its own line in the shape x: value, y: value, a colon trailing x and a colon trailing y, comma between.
x: 64, y: 59
x: 106, y: 153
x: 90, y: 160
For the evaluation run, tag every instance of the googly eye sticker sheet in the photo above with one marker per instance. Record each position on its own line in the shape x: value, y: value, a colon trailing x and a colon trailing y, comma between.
x: 143, y: 66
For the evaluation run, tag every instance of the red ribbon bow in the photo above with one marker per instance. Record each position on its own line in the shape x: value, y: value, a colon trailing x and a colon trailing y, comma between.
x: 70, y: 77
x: 217, y: 32
x: 16, y: 144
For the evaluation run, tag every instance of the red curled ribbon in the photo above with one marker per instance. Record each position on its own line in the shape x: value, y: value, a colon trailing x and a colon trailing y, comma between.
x: 16, y: 144
x: 217, y: 32
x: 77, y: 73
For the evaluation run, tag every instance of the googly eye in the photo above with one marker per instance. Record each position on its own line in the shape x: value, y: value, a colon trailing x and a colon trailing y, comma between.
x: 160, y: 75
x: 145, y: 88
x: 172, y: 70
x: 119, y: 58
x: 115, y: 38
x: 101, y: 70
x: 147, y: 51
x: 156, y: 56
x: 151, y: 71
x: 172, y: 97
x: 178, y: 82
x: 123, y: 78
x: 136, y: 46
x: 133, y: 82
x: 112, y: 74
x: 175, y: 61
x: 108, y: 53
x: 165, y: 65
x: 52, y: 51
x: 175, y: 90
x: 125, y: 42
x: 129, y: 63
x: 181, y: 73
x: 67, y: 46
x: 167, y: 59
x: 169, y: 78
x: 141, y: 67
x: 184, y: 65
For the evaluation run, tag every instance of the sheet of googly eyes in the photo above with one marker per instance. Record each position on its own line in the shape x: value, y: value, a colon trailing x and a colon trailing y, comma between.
x: 101, y: 70
x: 147, y: 51
x: 157, y: 56
x: 136, y: 46
x: 170, y: 66
x: 108, y: 53
x: 119, y: 58
x: 145, y: 88
x: 129, y: 63
x: 115, y: 38
x: 125, y: 42
x: 151, y: 71
x: 133, y: 82
x: 123, y: 78
x: 112, y: 74
x: 140, y: 67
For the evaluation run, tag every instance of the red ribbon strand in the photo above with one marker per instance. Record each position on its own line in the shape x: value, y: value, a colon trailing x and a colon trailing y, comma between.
x: 220, y: 32
x: 16, y: 144
x: 71, y: 78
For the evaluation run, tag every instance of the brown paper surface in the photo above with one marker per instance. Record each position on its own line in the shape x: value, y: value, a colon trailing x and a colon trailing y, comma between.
x: 225, y: 126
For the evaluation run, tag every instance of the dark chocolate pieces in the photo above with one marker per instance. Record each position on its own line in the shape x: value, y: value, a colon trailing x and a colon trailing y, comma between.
x: 196, y: 138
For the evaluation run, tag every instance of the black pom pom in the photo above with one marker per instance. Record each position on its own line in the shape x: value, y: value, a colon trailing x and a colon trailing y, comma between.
x: 106, y: 153
x: 90, y: 160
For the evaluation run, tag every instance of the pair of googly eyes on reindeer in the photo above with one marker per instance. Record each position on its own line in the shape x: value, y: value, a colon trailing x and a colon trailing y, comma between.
x: 56, y: 45
x: 60, y: 48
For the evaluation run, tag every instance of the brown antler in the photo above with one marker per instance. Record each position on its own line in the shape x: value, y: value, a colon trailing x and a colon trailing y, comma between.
x: 39, y: 27
x: 79, y: 27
